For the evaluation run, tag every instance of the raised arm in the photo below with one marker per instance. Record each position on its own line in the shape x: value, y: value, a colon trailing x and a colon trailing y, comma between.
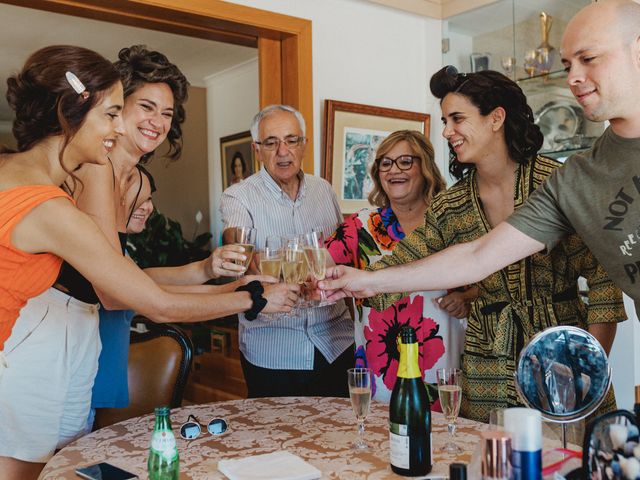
x: 96, y: 196
x: 455, y: 266
x: 218, y: 264
x: 58, y: 227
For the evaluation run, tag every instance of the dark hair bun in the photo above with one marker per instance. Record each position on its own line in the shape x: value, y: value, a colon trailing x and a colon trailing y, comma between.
x: 444, y: 81
x: 35, y: 110
x: 488, y: 90
x: 44, y: 102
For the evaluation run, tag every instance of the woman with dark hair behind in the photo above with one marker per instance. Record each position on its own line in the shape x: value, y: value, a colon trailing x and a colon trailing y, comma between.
x: 493, y: 144
x: 154, y: 94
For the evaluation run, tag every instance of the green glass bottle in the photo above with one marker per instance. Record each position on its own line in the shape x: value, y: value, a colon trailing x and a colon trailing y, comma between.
x: 163, y: 463
x: 409, y: 412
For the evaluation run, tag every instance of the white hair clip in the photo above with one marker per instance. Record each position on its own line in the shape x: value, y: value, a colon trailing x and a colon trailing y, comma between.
x: 77, y: 85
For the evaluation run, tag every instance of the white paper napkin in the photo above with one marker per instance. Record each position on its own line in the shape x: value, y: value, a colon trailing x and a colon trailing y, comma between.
x: 280, y: 465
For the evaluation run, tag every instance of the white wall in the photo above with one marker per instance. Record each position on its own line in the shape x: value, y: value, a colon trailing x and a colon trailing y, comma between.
x: 367, y: 53
x: 625, y: 357
x: 460, y: 46
x: 232, y: 101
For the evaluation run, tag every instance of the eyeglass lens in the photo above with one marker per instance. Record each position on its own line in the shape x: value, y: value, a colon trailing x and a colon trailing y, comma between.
x: 217, y: 426
x: 403, y: 162
x: 190, y: 430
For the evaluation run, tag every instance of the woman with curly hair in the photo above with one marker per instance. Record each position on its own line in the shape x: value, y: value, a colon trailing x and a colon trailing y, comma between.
x: 405, y: 179
x: 155, y: 91
x: 493, y: 144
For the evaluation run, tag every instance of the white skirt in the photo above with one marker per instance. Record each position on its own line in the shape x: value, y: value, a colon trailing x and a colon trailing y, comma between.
x: 51, y: 362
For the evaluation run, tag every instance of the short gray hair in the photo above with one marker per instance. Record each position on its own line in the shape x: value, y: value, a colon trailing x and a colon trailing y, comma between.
x: 266, y: 111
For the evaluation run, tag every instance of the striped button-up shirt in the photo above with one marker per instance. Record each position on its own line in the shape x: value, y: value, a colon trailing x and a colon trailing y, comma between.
x: 288, y: 342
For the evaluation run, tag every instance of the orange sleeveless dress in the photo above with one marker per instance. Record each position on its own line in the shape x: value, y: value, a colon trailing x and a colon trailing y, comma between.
x: 22, y: 275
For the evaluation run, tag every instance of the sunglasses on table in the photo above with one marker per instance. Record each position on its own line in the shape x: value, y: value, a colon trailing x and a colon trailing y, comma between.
x: 191, y: 429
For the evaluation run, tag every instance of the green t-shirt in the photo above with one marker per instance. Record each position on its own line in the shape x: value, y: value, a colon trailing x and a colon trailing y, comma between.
x: 596, y: 195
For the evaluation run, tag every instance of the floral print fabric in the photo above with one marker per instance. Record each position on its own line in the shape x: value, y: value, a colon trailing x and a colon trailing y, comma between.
x: 360, y: 241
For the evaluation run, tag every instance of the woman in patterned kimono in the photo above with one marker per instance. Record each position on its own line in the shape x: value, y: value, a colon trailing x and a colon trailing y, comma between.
x: 405, y: 180
x: 493, y: 145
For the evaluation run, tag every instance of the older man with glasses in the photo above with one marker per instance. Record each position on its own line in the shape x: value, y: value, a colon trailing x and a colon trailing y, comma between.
x: 306, y: 353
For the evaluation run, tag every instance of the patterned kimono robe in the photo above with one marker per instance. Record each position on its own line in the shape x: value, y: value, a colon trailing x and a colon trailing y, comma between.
x: 514, y: 303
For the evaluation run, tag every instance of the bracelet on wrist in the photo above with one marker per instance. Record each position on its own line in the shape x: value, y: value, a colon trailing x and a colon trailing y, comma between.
x: 256, y: 290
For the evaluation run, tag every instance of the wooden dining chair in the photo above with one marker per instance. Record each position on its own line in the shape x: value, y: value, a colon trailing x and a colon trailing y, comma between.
x: 159, y: 365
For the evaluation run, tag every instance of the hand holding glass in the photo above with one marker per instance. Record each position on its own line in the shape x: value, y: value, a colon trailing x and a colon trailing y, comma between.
x: 317, y: 256
x: 360, y: 393
x: 246, y: 238
x: 450, y: 393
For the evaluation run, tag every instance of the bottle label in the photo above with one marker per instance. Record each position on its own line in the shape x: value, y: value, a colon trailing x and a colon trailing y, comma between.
x: 398, y: 445
x: 164, y: 444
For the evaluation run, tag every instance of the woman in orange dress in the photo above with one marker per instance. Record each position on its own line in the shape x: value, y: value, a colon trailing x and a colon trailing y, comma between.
x: 67, y: 103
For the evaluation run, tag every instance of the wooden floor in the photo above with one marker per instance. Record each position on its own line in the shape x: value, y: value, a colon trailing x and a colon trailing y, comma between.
x: 216, y: 373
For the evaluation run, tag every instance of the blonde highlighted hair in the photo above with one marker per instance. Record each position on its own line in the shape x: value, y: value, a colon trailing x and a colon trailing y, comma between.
x: 420, y: 147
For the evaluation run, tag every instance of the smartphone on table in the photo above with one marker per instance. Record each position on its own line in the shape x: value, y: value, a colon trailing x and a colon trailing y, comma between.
x: 104, y: 471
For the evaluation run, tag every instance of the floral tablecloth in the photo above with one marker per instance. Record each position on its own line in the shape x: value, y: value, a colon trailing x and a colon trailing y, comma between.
x: 320, y: 430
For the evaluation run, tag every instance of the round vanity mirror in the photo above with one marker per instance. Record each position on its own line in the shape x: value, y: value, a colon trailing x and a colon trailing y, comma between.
x: 563, y: 372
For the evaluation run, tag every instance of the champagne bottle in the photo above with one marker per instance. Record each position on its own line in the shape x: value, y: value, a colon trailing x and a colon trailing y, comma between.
x: 163, y: 463
x: 409, y: 412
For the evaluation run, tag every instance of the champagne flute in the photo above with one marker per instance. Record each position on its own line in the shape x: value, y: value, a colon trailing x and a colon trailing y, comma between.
x: 450, y: 393
x: 294, y: 265
x: 271, y: 257
x: 246, y: 238
x: 359, y: 380
x: 317, y: 255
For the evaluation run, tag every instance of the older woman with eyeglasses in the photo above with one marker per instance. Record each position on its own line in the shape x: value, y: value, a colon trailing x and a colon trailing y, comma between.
x: 405, y: 181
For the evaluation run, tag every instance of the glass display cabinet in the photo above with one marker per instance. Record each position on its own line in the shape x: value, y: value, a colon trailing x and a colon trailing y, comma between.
x: 521, y: 38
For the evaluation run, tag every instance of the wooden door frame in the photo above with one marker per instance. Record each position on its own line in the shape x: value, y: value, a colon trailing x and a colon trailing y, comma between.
x: 283, y: 42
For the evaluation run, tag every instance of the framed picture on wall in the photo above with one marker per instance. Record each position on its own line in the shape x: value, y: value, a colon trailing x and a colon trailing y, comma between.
x: 352, y: 133
x: 237, y: 158
x: 480, y: 61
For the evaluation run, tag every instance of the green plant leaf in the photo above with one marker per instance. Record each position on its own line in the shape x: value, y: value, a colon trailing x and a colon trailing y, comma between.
x: 161, y: 244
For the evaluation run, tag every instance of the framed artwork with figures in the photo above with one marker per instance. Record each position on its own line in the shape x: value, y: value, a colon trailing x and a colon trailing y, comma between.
x: 352, y: 133
x: 237, y: 158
